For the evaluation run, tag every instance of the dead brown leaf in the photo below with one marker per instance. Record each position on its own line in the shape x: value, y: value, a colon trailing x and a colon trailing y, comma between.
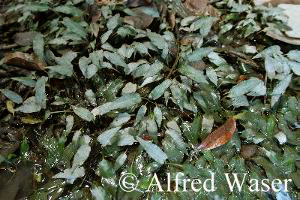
x: 24, y: 60
x: 140, y: 20
x: 220, y: 136
x: 200, y: 7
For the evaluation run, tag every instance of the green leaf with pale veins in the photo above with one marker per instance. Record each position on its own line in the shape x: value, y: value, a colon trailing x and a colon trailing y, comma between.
x: 193, y: 73
x: 16, y: 98
x: 83, y: 113
x: 126, y: 101
x: 38, y: 45
x: 159, y: 90
x: 115, y: 59
x: 153, y: 151
x: 29, y: 106
x: 280, y: 89
x: 40, y: 91
x: 106, y: 137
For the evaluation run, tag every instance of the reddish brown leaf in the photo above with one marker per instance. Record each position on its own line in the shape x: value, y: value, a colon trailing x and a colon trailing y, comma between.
x: 24, y: 60
x: 220, y: 136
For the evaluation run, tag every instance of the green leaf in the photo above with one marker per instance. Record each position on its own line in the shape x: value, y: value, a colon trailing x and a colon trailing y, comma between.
x: 121, y: 119
x: 203, y: 24
x: 105, y: 169
x: 147, y: 70
x: 193, y: 73
x: 105, y: 36
x: 212, y: 75
x: 69, y: 10
x: 69, y: 125
x: 12, y: 96
x: 126, y: 101
x: 295, y: 66
x: 71, y: 174
x: 253, y: 86
x: 88, y: 70
x: 24, y: 148
x: 38, y: 45
x: 40, y: 91
x: 159, y: 90
x: 294, y: 55
x: 140, y: 114
x: 199, y: 53
x: 151, y: 11
x: 239, y: 101
x: 37, y: 7
x: 91, y: 97
x: 75, y: 27
x: 153, y: 151
x: 158, y: 116
x: 106, y: 137
x: 270, y: 64
x: 29, y: 106
x: 171, y: 150
x: 280, y: 89
x: 125, y: 138
x: 157, y: 40
x: 65, y: 70
x: 115, y: 58
x: 81, y: 155
x: 113, y: 22
x: 58, y: 41
x: 25, y: 80
x: 177, y: 138
x: 179, y: 97
x: 216, y: 59
x: 140, y: 47
x: 98, y: 193
x: 83, y: 113
x: 120, y: 161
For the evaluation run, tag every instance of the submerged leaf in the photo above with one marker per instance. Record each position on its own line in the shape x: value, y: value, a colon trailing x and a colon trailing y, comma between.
x: 220, y: 136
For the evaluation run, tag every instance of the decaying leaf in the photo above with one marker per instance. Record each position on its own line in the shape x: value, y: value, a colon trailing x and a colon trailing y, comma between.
x: 140, y: 20
x: 220, y: 136
x: 24, y: 60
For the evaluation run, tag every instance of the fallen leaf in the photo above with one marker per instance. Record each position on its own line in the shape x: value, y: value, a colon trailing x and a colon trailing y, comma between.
x: 172, y: 20
x: 31, y: 120
x: 202, y: 7
x: 220, y: 136
x: 25, y: 38
x: 141, y: 20
x: 24, y: 60
x: 10, y: 106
